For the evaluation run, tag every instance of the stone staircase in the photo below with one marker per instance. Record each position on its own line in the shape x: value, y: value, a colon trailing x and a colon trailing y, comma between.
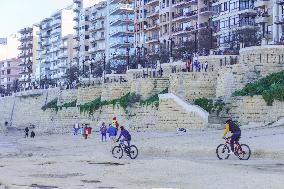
x: 176, y: 113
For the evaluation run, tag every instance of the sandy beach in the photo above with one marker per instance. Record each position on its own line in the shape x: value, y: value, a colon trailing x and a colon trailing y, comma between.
x: 165, y: 160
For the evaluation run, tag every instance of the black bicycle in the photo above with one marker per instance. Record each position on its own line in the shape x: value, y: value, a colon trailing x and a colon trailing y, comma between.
x: 118, y: 151
x: 242, y: 151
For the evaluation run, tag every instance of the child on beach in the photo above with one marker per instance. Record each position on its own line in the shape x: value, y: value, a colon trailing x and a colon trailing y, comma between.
x: 103, y: 130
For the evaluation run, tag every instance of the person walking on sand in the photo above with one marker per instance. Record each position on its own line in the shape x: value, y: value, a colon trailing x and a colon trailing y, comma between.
x: 103, y: 130
x: 82, y: 131
x: 26, y: 132
x: 112, y: 132
x: 32, y: 134
x: 86, y: 131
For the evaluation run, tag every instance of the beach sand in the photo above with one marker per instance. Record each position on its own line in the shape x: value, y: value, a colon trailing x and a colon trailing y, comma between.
x: 165, y: 160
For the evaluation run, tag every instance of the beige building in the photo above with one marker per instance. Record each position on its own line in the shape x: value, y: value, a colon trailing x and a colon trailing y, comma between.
x: 10, y: 48
x: 9, y: 72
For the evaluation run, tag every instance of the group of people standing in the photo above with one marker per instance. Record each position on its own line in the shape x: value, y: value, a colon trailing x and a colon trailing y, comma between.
x: 84, y: 130
x: 197, y: 65
x: 111, y: 130
x: 27, y: 133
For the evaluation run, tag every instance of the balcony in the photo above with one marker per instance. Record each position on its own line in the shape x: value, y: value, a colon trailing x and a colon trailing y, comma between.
x: 76, y: 19
x: 96, y: 27
x: 183, y: 17
x: 96, y: 49
x: 121, y: 33
x: 262, y: 18
x: 56, y: 31
x: 152, y: 2
x: 97, y: 17
x: 182, y: 3
x: 96, y: 38
x: 280, y: 2
x: 45, y: 26
x: 77, y: 1
x: 63, y: 46
x: 56, y: 23
x: 247, y: 25
x: 207, y: 11
x: 279, y: 20
x: 152, y: 27
x: 261, y: 3
x: 248, y: 11
x: 154, y: 13
x: 25, y: 30
x: 120, y: 44
x: 63, y: 55
x: 26, y: 38
x: 121, y: 21
x: 115, y: 1
x: 203, y: 25
x: 122, y: 8
x: 184, y: 31
x: 77, y: 8
x: 152, y: 40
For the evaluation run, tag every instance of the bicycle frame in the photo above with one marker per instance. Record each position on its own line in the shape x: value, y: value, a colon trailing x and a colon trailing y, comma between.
x: 237, y: 145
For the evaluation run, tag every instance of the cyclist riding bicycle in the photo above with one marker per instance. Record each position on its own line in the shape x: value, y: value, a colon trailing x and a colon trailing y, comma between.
x: 236, y: 133
x: 125, y: 134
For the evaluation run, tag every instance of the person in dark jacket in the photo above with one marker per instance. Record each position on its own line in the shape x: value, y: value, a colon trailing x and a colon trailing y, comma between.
x: 32, y: 134
x: 27, y: 132
x: 126, y: 136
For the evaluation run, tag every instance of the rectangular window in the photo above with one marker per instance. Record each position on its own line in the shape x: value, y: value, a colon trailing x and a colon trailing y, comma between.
x: 8, y: 72
x: 225, y: 6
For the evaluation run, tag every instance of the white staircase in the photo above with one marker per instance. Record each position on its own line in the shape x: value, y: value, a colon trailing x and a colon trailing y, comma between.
x: 177, y: 113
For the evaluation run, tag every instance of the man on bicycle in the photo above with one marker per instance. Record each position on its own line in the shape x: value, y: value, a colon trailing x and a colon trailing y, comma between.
x: 126, y: 136
x: 236, y: 133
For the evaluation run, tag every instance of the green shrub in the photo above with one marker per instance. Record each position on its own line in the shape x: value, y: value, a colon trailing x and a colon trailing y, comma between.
x: 51, y: 105
x: 270, y: 87
x: 154, y: 99
x: 209, y: 105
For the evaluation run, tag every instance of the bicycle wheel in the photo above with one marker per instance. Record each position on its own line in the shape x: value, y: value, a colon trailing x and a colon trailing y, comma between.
x: 133, y: 153
x: 244, y: 152
x: 117, y: 152
x: 222, y: 151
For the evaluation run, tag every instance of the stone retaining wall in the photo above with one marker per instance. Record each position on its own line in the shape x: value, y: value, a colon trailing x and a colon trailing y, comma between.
x: 255, y: 109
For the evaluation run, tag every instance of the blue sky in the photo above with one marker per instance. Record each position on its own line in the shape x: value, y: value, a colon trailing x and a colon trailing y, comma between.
x: 18, y: 14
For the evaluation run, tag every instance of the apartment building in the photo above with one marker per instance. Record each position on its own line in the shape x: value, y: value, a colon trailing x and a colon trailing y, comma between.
x: 28, y: 55
x: 97, y: 33
x: 121, y: 31
x: 166, y: 22
x: 56, y: 45
x: 9, y: 72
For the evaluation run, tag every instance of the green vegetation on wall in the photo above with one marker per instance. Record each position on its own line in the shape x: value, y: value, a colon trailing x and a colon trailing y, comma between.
x: 127, y: 100
x: 154, y: 100
x: 209, y: 105
x: 50, y: 105
x: 270, y: 87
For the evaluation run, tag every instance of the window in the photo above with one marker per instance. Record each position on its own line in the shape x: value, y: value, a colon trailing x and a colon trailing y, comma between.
x: 225, y: 6
x: 8, y: 72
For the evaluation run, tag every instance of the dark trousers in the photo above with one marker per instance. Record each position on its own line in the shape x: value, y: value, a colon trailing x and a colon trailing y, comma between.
x: 235, y: 137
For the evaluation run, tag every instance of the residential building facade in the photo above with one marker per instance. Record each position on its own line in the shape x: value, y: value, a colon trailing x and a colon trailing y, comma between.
x: 9, y: 72
x: 56, y: 46
x: 121, y: 31
x: 28, y: 56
